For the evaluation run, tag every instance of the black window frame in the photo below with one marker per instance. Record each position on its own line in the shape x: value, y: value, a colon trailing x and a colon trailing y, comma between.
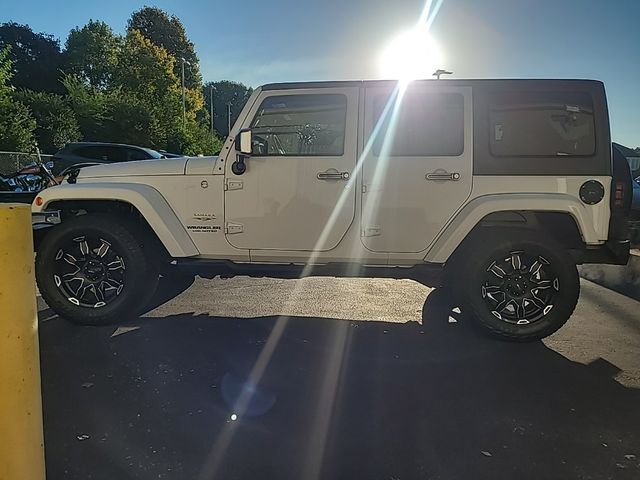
x: 344, y: 134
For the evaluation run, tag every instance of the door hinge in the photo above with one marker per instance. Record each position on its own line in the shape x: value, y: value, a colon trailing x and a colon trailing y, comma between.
x: 233, y: 184
x: 372, y: 231
x: 230, y: 228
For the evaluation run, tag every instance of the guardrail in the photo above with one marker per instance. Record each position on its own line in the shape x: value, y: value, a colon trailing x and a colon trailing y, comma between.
x: 11, y: 162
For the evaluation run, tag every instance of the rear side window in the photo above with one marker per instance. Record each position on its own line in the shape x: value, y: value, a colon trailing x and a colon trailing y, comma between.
x: 541, y: 124
x: 92, y: 153
x: 301, y: 125
x: 427, y: 124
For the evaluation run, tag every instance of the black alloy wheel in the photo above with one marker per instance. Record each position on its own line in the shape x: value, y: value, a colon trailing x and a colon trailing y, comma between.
x: 521, y: 288
x: 516, y: 283
x: 89, y: 271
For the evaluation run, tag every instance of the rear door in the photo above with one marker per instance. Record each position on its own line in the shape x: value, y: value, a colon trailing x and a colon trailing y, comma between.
x: 295, y: 193
x: 417, y: 163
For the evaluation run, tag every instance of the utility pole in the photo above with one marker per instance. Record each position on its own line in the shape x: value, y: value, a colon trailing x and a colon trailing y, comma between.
x: 184, y: 99
x: 228, y: 118
x: 211, y: 89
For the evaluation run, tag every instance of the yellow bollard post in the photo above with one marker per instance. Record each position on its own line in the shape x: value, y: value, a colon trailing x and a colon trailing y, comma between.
x: 21, y: 437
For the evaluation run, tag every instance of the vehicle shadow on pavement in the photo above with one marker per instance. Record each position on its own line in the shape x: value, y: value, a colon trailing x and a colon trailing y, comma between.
x: 334, y: 399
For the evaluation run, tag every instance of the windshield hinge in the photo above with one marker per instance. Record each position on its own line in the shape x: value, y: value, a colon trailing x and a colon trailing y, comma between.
x: 231, y: 228
x: 233, y: 184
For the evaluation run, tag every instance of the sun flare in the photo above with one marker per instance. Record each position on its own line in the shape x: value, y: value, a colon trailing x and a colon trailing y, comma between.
x: 411, y: 55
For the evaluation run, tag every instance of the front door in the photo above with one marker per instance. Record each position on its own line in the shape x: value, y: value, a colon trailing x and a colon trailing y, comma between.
x: 295, y: 193
x: 417, y: 163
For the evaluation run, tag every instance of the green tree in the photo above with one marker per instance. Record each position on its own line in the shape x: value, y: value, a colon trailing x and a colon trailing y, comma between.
x: 145, y: 68
x: 92, y: 53
x: 36, y: 58
x: 130, y: 120
x: 5, y: 73
x: 194, y: 139
x: 16, y: 123
x: 226, y: 93
x: 89, y: 106
x: 145, y: 72
x: 56, y: 122
x: 169, y: 33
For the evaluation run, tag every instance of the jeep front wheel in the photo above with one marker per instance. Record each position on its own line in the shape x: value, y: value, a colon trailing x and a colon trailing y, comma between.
x: 521, y: 288
x: 94, y: 269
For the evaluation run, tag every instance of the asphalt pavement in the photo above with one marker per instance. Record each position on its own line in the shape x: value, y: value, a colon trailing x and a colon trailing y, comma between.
x: 339, y: 379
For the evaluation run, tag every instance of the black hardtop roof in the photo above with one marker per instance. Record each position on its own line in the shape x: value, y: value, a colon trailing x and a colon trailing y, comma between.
x: 487, y: 83
x: 103, y: 144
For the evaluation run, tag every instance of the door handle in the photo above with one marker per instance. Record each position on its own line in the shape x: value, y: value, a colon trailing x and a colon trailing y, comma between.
x: 333, y: 174
x: 443, y: 175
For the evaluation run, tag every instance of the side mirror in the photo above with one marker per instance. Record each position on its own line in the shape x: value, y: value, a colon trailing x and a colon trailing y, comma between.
x: 243, y: 147
x: 243, y: 142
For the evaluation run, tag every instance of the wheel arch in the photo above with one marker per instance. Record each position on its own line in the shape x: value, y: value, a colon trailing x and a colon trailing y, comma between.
x: 560, y: 216
x: 141, y: 201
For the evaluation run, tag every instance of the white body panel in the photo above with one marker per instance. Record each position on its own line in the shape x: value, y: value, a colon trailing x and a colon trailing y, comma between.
x: 402, y: 211
x: 149, y: 202
x: 165, y: 166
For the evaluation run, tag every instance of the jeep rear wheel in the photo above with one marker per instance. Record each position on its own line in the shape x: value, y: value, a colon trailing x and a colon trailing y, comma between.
x: 522, y: 288
x: 94, y: 269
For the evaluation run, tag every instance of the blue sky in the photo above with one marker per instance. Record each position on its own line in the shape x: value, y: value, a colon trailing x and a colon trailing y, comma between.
x: 257, y: 42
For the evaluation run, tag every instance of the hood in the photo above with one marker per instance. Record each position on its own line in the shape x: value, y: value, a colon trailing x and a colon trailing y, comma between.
x: 161, y: 166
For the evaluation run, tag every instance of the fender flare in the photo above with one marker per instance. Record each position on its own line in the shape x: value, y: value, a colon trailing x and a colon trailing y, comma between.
x: 149, y: 202
x: 473, y: 212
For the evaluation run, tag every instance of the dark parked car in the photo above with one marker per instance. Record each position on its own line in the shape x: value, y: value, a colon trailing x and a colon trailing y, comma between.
x: 635, y: 203
x: 92, y: 153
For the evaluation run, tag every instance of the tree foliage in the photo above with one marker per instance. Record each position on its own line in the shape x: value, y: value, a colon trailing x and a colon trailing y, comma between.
x: 92, y: 53
x: 226, y: 93
x: 16, y: 123
x: 113, y: 88
x: 169, y: 33
x: 194, y: 139
x: 16, y: 127
x: 36, y: 57
x: 56, y: 122
x: 89, y: 106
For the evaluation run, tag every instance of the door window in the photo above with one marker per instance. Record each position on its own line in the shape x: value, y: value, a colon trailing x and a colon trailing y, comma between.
x: 136, y: 154
x: 300, y: 125
x: 426, y: 124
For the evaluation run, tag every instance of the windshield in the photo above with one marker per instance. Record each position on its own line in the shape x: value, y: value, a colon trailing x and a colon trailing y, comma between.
x: 153, y: 153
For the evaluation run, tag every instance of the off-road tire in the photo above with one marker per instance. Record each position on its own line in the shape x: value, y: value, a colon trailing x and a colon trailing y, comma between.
x: 128, y: 243
x: 474, y: 263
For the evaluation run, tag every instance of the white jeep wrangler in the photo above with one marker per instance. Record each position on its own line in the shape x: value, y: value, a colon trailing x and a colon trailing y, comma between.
x: 494, y: 188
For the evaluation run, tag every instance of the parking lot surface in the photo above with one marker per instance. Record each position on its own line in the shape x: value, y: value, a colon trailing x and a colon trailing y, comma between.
x: 339, y: 379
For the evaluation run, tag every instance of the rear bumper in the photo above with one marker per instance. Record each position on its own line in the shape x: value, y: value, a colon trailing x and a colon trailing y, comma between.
x: 613, y: 252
